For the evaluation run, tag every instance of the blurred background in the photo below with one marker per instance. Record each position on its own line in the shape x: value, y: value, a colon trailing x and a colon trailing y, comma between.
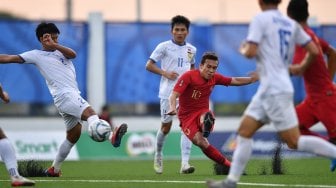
x: 131, y: 29
x: 113, y: 40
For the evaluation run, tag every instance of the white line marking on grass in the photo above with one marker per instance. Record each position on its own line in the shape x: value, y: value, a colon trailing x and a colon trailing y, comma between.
x: 286, y: 185
x: 176, y: 181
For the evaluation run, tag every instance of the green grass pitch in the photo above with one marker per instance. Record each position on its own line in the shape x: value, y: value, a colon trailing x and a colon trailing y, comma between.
x: 307, y: 172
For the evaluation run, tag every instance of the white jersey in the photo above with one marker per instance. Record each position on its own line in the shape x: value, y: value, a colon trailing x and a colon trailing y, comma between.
x: 58, y: 71
x: 276, y: 36
x: 173, y: 57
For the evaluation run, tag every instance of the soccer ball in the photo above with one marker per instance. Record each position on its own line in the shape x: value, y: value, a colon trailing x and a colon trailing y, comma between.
x: 100, y: 130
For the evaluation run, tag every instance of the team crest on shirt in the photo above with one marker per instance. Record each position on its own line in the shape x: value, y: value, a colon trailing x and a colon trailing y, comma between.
x: 181, y: 83
x: 190, y: 55
x: 187, y: 131
x: 62, y: 60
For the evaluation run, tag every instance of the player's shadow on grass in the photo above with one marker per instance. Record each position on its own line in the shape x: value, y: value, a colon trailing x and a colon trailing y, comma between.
x: 31, y: 168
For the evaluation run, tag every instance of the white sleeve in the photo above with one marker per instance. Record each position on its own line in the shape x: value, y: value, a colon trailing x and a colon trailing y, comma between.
x: 193, y: 60
x: 158, y: 53
x: 301, y: 37
x: 28, y: 57
x: 256, y: 30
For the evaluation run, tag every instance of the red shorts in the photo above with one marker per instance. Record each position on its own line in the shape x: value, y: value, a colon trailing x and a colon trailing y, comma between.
x: 190, y: 124
x: 311, y: 112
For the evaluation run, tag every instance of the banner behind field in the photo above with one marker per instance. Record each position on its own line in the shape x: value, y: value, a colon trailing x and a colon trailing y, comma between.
x: 40, y: 138
x: 38, y: 145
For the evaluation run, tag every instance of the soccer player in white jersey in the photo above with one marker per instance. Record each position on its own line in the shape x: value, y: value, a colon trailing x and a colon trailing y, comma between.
x: 7, y: 154
x: 271, y: 39
x: 176, y: 57
x: 55, y: 65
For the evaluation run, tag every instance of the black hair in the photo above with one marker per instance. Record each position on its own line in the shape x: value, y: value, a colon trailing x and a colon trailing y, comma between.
x: 105, y: 107
x: 209, y: 55
x: 180, y: 20
x: 298, y: 10
x: 44, y: 28
x: 276, y: 2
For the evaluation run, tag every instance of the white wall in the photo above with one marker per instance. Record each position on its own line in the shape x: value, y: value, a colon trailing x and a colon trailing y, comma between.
x: 217, y: 11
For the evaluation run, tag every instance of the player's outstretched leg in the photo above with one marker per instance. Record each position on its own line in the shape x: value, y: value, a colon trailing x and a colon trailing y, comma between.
x: 208, y: 123
x: 18, y: 181
x: 118, y: 133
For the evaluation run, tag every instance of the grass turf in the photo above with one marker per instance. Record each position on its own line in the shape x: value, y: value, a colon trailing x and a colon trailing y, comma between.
x: 308, y: 172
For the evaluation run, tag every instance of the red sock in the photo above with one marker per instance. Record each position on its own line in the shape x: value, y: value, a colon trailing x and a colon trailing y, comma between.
x: 217, y: 156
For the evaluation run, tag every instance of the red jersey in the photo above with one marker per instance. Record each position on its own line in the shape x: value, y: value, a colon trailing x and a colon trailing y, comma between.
x: 195, y: 91
x: 316, y: 78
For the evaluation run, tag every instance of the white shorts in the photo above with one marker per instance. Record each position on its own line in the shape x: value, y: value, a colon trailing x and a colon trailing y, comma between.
x: 164, y: 108
x: 71, y: 106
x: 278, y: 110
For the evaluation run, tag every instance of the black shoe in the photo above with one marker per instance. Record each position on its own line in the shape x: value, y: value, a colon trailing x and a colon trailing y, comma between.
x: 208, y: 123
x: 118, y: 133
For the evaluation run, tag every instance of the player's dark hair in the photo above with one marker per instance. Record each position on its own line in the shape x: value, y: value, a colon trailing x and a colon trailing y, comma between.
x: 44, y: 28
x: 105, y: 108
x: 276, y: 2
x: 180, y: 20
x: 209, y: 55
x: 298, y: 10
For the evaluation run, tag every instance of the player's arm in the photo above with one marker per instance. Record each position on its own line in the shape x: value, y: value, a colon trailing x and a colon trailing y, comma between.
x: 249, y: 49
x: 50, y: 43
x: 152, y: 67
x: 172, y: 103
x: 5, y: 58
x: 4, y: 95
x: 312, y: 52
x: 331, y: 58
x: 66, y: 51
x: 238, y: 81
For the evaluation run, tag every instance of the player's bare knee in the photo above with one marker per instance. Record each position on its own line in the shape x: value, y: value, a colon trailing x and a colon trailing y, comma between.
x: 165, y: 130
x: 292, y: 145
x: 74, y: 134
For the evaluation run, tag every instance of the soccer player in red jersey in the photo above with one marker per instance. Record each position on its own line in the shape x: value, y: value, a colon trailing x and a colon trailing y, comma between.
x: 193, y: 90
x: 320, y: 102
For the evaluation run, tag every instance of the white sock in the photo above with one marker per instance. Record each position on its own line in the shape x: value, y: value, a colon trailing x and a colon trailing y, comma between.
x: 185, y: 149
x: 92, y: 119
x: 63, y: 152
x: 240, y: 158
x: 160, y: 139
x: 112, y: 126
x: 7, y: 154
x: 317, y: 145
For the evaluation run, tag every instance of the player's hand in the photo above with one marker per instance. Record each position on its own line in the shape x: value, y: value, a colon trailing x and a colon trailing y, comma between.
x: 295, y: 69
x: 254, y: 76
x: 47, y: 41
x: 171, y: 112
x: 171, y: 75
x: 5, y: 97
x: 243, y: 48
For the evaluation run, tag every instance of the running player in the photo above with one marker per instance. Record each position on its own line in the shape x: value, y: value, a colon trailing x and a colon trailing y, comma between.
x: 176, y: 57
x: 193, y: 90
x: 320, y: 102
x: 55, y: 65
x: 271, y: 39
x: 7, y: 154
